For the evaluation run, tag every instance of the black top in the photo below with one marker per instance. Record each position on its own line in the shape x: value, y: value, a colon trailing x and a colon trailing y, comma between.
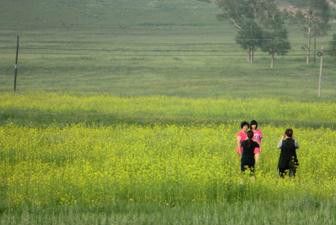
x: 248, y: 151
x: 288, y: 155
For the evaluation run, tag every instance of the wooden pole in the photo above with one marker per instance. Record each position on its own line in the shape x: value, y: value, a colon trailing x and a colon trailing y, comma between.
x: 321, y: 72
x: 16, y: 61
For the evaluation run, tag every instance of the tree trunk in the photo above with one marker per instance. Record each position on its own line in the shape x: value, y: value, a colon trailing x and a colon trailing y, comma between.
x: 252, y: 56
x: 308, y: 45
x: 315, y: 52
x: 272, y: 60
x: 321, y: 72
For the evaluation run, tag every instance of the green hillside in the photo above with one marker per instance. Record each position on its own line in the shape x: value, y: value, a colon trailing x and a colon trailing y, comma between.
x: 145, y: 48
x: 27, y: 14
x: 101, y: 13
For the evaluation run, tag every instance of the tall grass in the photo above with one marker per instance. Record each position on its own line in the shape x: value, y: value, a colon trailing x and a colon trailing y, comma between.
x: 149, y: 160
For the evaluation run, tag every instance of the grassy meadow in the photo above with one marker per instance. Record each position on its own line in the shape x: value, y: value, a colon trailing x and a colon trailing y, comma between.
x: 170, y: 48
x: 126, y: 114
x: 144, y: 61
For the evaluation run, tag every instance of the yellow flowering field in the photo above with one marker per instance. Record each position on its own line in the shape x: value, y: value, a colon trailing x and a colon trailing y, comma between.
x: 102, y: 152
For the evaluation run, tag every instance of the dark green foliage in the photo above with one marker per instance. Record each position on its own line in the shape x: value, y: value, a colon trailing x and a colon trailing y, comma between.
x: 332, y: 47
x: 275, y: 42
x: 321, y: 15
x: 259, y: 25
x: 249, y: 36
x: 275, y: 39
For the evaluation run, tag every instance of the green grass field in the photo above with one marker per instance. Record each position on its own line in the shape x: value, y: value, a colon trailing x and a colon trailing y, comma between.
x: 144, y: 61
x: 126, y: 114
x: 171, y: 48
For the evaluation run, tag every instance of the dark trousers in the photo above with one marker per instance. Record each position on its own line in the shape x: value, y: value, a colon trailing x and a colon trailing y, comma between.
x: 290, y: 168
x: 245, y: 166
x: 291, y: 172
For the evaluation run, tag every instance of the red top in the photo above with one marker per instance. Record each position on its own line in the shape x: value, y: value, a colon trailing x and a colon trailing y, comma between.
x: 257, y: 136
x: 242, y: 135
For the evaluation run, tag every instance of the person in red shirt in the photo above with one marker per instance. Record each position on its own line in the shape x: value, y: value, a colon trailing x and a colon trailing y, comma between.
x: 257, y: 137
x: 241, y: 136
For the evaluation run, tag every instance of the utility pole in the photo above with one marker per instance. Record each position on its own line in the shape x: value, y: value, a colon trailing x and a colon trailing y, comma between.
x: 16, y: 61
x: 321, y: 55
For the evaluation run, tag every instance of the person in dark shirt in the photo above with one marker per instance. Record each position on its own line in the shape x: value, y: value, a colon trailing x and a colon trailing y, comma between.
x: 288, y: 161
x: 249, y: 148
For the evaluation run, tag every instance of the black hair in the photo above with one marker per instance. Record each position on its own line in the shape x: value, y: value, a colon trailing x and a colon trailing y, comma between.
x: 254, y: 122
x: 250, y: 134
x: 289, y: 132
x: 243, y: 124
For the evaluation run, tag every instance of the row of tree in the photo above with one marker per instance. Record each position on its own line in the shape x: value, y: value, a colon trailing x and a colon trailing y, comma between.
x: 260, y: 24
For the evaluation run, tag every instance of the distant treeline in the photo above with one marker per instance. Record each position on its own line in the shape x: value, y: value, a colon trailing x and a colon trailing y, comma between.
x: 262, y: 24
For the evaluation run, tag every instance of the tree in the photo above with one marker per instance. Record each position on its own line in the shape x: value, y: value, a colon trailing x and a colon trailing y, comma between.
x: 315, y: 20
x: 275, y: 38
x: 258, y: 24
x: 248, y: 17
x: 332, y: 48
x: 249, y: 38
x: 241, y: 15
x: 321, y: 25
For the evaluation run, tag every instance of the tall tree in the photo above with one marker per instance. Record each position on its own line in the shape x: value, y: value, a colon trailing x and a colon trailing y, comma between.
x: 332, y: 46
x: 275, y: 38
x: 321, y: 25
x: 248, y: 17
x: 241, y: 14
x: 315, y: 20
x: 249, y: 37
